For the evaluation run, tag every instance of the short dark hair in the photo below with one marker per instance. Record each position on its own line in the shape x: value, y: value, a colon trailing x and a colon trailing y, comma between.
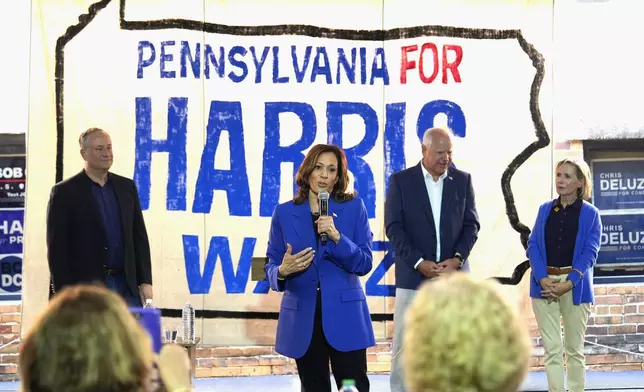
x: 82, y: 139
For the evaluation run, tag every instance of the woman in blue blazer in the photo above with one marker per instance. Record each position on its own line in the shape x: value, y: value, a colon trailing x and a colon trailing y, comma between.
x: 324, y: 314
x: 562, y: 249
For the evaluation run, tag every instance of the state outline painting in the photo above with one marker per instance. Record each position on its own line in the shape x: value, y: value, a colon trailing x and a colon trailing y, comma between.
x: 538, y: 62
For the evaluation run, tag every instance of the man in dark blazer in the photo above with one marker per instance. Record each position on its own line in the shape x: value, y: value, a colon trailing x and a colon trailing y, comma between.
x: 432, y: 223
x: 95, y: 227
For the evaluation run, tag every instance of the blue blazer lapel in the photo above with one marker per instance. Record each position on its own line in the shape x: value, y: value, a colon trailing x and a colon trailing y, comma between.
x: 335, y: 209
x: 303, y: 225
x: 448, y: 197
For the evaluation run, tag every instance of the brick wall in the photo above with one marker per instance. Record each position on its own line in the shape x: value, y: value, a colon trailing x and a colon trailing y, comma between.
x: 617, y: 321
x: 9, y: 331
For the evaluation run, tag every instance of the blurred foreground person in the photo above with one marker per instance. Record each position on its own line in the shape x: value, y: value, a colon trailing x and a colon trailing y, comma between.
x: 87, y: 340
x: 462, y: 335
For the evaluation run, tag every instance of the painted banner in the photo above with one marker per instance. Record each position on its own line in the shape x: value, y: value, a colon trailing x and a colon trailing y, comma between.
x: 212, y: 106
x: 618, y: 184
x: 622, y: 240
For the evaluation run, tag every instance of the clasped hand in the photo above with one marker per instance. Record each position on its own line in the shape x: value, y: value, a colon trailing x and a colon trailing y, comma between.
x: 430, y: 269
x: 552, y: 289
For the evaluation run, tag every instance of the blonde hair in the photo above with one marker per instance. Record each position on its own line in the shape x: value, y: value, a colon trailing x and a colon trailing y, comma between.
x: 582, y: 171
x: 461, y: 335
x: 85, y: 340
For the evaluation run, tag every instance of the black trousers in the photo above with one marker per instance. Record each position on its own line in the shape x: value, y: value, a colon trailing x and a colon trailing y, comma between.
x: 313, y: 367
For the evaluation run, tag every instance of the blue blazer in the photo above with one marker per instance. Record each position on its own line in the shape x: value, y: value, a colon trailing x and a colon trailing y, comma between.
x: 584, y: 257
x: 410, y: 224
x: 346, y: 320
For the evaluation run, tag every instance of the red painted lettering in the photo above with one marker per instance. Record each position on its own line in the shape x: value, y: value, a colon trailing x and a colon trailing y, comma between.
x: 406, y: 64
x: 452, y: 66
x: 421, y: 68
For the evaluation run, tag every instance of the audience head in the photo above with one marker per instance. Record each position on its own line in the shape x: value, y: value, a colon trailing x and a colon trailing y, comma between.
x: 462, y: 335
x: 85, y: 340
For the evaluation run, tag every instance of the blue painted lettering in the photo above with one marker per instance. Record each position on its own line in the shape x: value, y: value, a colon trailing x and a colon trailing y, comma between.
x: 224, y: 116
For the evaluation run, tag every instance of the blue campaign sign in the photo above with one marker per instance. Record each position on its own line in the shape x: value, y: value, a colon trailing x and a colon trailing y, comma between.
x: 11, y: 231
x: 10, y: 274
x: 618, y: 184
x: 622, y: 240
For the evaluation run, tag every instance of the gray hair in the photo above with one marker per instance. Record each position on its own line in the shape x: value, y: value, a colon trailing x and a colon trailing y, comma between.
x: 429, y: 135
x: 82, y: 139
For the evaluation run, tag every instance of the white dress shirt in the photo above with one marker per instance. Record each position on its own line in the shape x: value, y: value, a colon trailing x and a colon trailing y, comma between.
x: 435, y: 193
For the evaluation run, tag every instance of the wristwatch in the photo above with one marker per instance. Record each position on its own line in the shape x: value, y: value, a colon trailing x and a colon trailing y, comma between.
x: 460, y: 258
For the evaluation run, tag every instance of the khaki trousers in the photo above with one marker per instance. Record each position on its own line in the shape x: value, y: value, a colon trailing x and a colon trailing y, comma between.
x: 575, y: 318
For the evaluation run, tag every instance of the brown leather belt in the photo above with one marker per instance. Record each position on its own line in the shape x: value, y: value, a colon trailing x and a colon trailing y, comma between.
x: 558, y: 270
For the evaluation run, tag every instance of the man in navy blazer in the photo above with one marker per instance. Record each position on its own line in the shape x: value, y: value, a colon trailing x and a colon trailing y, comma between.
x: 432, y: 223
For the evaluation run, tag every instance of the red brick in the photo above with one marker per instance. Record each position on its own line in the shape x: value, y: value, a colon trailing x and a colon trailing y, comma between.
x: 211, y: 362
x: 280, y: 369
x: 12, y: 348
x: 615, y: 320
x: 626, y: 367
x: 9, y: 358
x: 631, y: 309
x: 8, y: 369
x: 622, y: 329
x: 640, y: 308
x: 617, y: 309
x: 605, y: 359
x: 5, y: 329
x: 273, y: 360
x: 600, y: 291
x: 243, y: 361
x: 597, y: 330
x: 609, y: 300
x: 634, y: 319
x: 640, y: 328
x: 379, y: 347
x: 203, y: 372
x: 622, y: 290
x: 634, y: 298
x: 226, y: 352
x: 379, y: 367
x: 226, y: 372
x: 204, y: 352
x: 10, y: 309
x: 10, y: 318
x: 259, y: 350
x: 255, y: 370
x: 600, y: 368
x: 537, y: 361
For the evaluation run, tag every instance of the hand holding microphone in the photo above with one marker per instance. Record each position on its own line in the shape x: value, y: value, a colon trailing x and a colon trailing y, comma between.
x: 325, y: 224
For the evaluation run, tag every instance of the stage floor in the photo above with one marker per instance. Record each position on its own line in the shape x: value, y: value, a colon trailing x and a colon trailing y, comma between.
x: 536, y: 381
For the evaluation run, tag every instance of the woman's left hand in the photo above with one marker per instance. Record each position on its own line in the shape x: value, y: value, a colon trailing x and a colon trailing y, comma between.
x: 326, y: 225
x: 557, y: 290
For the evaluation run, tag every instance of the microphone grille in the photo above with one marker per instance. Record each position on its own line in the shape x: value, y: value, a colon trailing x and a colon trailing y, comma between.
x: 323, y: 195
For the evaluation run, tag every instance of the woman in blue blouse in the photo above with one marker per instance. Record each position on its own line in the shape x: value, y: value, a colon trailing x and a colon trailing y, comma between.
x: 562, y: 249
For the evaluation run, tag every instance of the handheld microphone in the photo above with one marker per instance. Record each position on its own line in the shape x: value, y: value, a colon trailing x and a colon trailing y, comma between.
x: 323, y: 202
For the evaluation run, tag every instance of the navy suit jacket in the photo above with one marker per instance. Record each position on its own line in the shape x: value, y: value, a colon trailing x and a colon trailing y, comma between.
x: 409, y: 222
x: 346, y: 320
